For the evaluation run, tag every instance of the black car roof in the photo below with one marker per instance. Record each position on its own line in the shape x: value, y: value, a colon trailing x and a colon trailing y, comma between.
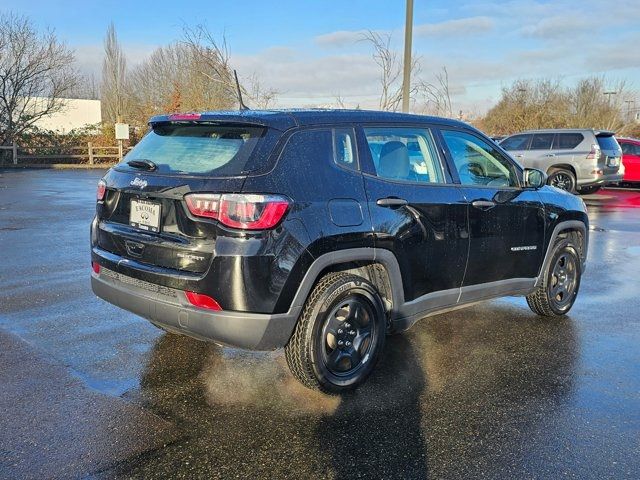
x: 284, y: 119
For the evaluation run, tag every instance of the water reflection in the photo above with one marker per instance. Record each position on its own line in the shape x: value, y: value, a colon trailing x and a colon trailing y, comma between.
x: 455, y: 386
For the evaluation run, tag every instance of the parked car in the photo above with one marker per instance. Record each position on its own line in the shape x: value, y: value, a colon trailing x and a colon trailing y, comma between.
x: 322, y: 231
x: 579, y: 160
x: 630, y: 159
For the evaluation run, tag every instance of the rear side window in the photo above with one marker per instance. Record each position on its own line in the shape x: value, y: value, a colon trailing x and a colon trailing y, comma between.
x: 607, y: 143
x: 322, y: 146
x: 404, y: 153
x: 517, y: 142
x: 198, y: 149
x: 567, y: 141
x: 541, y: 141
x: 344, y: 152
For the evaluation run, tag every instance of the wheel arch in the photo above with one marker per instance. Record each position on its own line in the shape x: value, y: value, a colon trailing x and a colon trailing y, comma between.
x: 378, y: 266
x: 574, y: 229
x: 562, y: 166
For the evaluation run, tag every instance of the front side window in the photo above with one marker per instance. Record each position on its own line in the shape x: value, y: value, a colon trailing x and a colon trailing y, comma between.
x: 478, y: 162
x: 541, y: 141
x: 517, y: 142
x: 405, y: 154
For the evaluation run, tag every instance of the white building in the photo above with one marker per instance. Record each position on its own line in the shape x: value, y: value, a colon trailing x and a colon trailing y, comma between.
x: 77, y: 113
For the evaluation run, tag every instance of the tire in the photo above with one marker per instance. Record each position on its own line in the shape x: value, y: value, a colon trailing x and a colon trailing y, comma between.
x: 589, y: 190
x: 558, y: 290
x: 322, y: 352
x: 562, y: 179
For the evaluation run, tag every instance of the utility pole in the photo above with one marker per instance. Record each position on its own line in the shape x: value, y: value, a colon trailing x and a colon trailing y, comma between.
x: 629, y: 102
x: 608, y: 94
x: 406, y: 77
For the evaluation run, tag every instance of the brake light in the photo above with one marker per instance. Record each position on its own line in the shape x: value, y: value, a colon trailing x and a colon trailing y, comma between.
x: 185, y: 116
x: 95, y: 266
x: 246, y: 212
x: 102, y: 189
x: 201, y: 300
x: 203, y: 204
x: 595, y: 152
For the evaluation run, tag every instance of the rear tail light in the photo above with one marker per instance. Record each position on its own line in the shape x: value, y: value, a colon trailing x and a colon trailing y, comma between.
x: 202, y: 301
x: 95, y: 266
x: 247, y: 212
x: 595, y: 152
x: 102, y: 189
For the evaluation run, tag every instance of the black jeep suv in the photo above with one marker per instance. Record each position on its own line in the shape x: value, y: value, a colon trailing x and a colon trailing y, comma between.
x: 322, y: 231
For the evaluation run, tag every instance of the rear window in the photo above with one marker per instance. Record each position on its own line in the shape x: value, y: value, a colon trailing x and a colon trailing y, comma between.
x: 567, y: 141
x: 197, y: 149
x: 608, y: 143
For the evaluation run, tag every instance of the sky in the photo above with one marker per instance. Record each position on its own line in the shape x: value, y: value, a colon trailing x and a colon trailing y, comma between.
x: 312, y: 51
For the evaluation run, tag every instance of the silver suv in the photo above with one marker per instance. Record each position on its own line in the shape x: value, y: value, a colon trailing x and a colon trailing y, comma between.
x: 580, y: 160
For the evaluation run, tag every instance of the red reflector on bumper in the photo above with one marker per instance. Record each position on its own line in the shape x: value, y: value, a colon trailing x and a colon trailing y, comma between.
x: 95, y: 267
x: 202, y: 301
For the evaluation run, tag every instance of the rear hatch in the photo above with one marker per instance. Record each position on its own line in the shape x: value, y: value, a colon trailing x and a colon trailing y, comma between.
x: 143, y: 215
x: 610, y: 152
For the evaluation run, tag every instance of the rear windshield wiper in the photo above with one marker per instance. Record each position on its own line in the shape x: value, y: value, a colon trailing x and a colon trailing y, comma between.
x: 142, y: 163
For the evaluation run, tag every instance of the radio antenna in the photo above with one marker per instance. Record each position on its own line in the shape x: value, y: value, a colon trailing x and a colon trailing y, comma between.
x: 242, y: 105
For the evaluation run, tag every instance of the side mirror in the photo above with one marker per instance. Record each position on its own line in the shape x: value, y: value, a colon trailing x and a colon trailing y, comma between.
x: 534, y: 178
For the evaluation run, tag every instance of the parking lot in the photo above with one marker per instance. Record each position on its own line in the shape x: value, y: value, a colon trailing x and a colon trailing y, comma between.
x: 91, y: 391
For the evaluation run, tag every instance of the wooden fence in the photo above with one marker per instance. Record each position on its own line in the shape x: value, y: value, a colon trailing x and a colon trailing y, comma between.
x: 90, y: 154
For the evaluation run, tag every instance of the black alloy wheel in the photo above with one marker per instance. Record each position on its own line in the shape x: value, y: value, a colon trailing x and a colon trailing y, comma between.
x: 347, y: 334
x: 564, y: 278
x: 340, y: 334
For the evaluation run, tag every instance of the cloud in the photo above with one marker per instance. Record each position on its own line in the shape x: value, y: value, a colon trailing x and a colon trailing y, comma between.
x: 561, y: 26
x: 89, y: 56
x: 303, y: 79
x: 455, y: 28
x: 340, y: 38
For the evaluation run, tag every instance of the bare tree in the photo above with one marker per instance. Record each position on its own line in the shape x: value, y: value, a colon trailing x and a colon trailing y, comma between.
x: 258, y: 95
x: 87, y: 87
x: 390, y: 69
x: 529, y: 104
x: 426, y: 97
x: 590, y: 106
x: 36, y: 73
x: 114, y: 70
x: 434, y: 99
x: 212, y: 60
x: 184, y: 76
x: 544, y: 103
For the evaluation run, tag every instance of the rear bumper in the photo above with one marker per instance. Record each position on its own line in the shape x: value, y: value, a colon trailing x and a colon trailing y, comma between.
x: 601, y: 180
x: 170, y: 309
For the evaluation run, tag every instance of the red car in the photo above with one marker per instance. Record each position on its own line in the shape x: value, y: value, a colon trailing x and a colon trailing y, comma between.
x: 630, y: 158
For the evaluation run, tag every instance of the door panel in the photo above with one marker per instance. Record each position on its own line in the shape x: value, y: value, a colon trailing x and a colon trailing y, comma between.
x: 414, y: 212
x: 507, y: 239
x: 428, y: 235
x: 506, y: 221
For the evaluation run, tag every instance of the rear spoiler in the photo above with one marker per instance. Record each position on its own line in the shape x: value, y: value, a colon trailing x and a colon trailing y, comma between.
x: 604, y: 133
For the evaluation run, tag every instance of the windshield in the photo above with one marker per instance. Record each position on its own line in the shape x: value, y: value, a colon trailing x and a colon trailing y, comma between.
x: 197, y: 149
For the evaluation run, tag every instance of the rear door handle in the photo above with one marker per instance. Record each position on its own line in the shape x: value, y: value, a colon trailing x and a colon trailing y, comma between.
x: 550, y: 155
x: 483, y: 204
x: 519, y: 155
x: 392, y: 202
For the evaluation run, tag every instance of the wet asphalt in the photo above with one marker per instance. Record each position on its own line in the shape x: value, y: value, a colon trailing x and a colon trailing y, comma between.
x: 492, y: 391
